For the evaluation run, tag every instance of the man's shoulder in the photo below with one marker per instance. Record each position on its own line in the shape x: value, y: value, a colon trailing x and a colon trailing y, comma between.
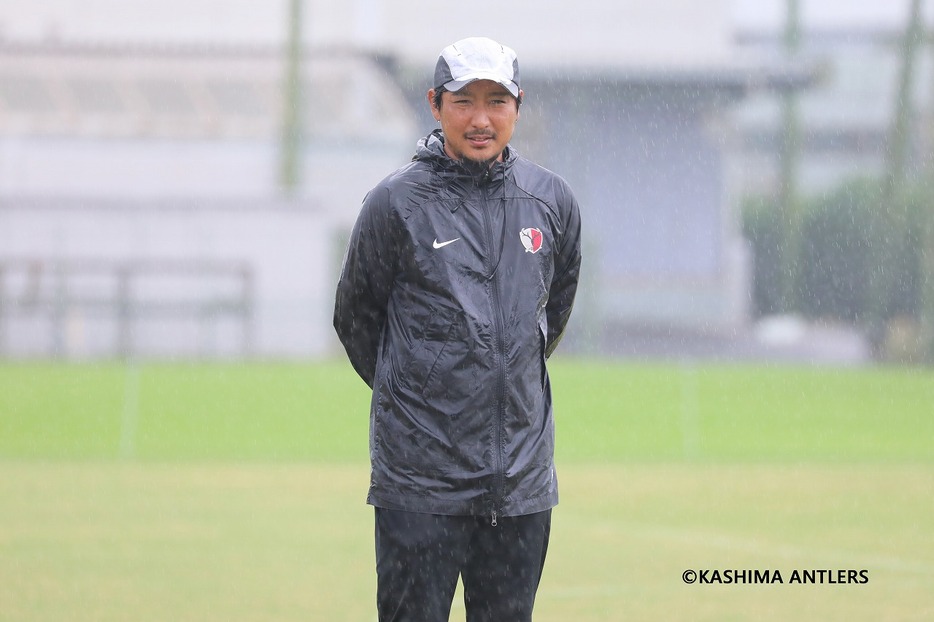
x: 405, y: 175
x: 401, y: 191
x: 539, y: 181
x: 523, y: 165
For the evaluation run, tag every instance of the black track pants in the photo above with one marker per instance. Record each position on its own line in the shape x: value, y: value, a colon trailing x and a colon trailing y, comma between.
x: 419, y: 557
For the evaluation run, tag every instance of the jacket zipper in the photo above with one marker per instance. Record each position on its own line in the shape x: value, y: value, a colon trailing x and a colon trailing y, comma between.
x: 498, y: 469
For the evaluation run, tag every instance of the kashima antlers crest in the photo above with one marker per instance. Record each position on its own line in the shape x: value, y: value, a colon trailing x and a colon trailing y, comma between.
x: 531, y: 239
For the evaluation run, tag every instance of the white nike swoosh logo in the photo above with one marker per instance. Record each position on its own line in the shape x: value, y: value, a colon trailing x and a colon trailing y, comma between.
x: 437, y: 244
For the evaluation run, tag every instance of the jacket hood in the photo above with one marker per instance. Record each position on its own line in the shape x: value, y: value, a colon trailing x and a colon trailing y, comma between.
x: 431, y: 149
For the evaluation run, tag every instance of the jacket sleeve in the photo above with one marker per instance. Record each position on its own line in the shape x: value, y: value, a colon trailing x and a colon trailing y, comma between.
x: 365, y: 283
x: 567, y: 268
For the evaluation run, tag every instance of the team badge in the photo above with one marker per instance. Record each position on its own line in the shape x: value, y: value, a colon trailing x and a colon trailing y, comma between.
x: 531, y: 239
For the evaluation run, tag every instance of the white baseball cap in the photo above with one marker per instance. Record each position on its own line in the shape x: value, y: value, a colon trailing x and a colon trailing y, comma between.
x: 477, y: 58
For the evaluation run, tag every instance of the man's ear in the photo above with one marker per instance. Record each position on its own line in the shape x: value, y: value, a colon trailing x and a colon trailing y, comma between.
x: 431, y: 104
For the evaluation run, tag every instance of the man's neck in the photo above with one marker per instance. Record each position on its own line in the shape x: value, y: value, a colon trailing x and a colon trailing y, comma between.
x: 478, y: 167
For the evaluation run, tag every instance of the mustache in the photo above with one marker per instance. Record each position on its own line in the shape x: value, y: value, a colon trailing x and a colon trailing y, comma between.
x: 480, y: 134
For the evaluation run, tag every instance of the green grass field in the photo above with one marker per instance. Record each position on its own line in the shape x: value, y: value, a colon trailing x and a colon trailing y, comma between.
x: 209, y: 492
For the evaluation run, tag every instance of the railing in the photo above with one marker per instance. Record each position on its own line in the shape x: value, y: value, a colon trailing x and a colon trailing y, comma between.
x: 125, y: 291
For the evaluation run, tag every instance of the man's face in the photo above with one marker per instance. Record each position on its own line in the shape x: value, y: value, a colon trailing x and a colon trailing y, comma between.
x: 477, y: 120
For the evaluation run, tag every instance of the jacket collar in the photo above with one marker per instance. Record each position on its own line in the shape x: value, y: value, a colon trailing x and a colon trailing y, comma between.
x: 431, y: 149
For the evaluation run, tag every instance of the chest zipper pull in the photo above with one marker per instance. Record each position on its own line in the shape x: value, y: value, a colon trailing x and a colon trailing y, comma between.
x: 493, y: 519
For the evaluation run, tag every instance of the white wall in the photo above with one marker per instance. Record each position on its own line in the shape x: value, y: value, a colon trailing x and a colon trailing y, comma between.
x: 288, y: 248
x: 557, y: 33
x: 544, y: 32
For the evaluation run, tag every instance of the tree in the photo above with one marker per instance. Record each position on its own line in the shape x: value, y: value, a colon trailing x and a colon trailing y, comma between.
x: 899, y: 144
x: 788, y: 191
x: 292, y: 114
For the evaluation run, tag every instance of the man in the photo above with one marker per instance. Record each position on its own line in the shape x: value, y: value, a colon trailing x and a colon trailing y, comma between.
x: 457, y: 284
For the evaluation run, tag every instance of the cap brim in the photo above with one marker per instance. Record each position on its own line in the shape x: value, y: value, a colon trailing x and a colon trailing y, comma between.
x: 456, y: 85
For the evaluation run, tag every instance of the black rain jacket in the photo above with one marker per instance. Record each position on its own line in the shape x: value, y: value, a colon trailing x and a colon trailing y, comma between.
x: 455, y: 288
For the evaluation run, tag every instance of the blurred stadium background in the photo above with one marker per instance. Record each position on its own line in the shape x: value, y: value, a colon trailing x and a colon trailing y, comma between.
x: 743, y: 384
x: 178, y: 181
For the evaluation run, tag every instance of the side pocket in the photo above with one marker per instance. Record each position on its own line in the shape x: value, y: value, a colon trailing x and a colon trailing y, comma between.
x: 542, y: 344
x: 432, y: 371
